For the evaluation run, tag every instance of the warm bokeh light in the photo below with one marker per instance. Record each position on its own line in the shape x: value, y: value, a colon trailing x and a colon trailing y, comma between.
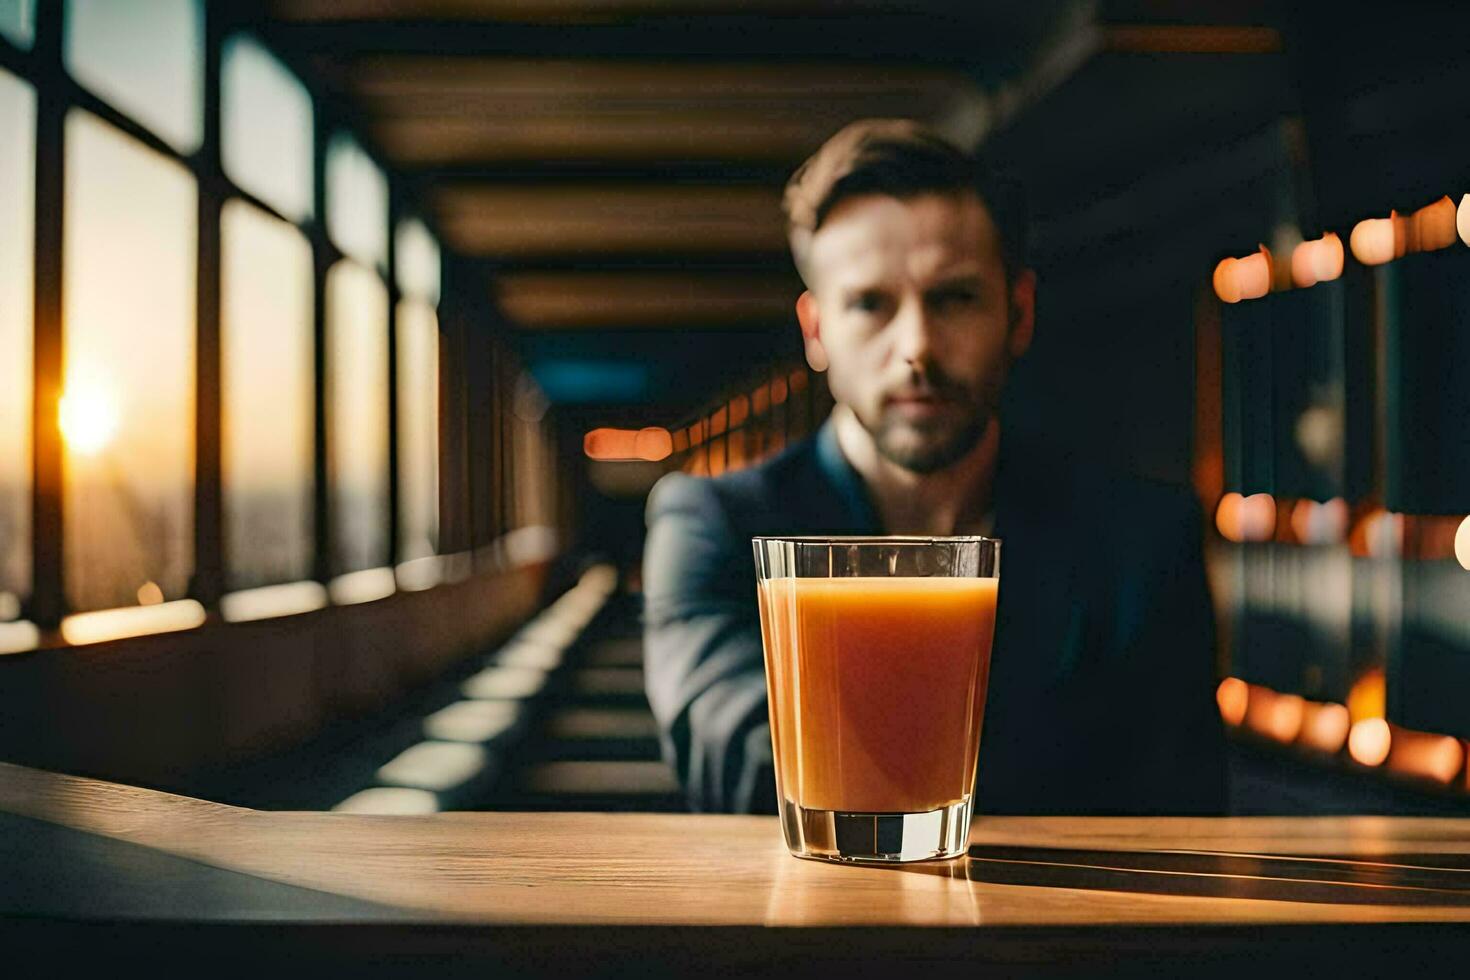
x: 149, y: 594
x: 1232, y: 696
x: 1369, y: 741
x: 1318, y: 260
x: 367, y: 585
x: 1427, y: 756
x: 1319, y: 523
x: 1325, y: 726
x: 1462, y: 544
x: 1369, y: 696
x: 1372, y: 240
x: 118, y: 624
x: 1462, y: 219
x: 651, y: 444
x: 89, y: 420
x: 1240, y: 518
x: 1274, y: 716
x: 1434, y: 225
x: 270, y: 601
x: 1244, y: 278
x: 778, y: 391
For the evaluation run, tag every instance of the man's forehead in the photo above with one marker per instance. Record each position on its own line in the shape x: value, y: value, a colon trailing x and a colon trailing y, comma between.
x: 928, y: 234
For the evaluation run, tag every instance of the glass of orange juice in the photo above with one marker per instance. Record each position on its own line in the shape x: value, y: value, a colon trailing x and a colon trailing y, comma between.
x: 877, y: 662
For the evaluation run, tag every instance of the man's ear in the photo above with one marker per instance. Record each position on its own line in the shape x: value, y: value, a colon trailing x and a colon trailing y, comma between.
x: 1023, y: 312
x: 806, y: 315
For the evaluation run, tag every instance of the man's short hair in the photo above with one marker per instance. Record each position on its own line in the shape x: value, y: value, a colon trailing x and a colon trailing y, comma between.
x: 903, y: 159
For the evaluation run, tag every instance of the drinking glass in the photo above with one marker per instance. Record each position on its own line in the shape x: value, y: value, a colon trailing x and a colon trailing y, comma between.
x: 877, y: 660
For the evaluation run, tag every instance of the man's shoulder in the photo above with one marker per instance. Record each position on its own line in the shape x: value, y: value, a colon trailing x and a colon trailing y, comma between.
x: 755, y: 490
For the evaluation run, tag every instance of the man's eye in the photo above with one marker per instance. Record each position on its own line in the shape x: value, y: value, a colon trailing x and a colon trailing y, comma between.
x: 949, y: 298
x: 866, y: 302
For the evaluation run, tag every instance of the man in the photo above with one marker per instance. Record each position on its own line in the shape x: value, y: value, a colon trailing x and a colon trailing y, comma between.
x: 917, y: 304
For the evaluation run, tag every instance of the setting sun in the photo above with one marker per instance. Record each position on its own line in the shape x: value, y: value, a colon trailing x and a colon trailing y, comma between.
x: 88, y: 420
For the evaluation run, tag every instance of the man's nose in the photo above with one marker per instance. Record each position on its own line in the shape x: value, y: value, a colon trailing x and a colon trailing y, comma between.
x: 913, y: 338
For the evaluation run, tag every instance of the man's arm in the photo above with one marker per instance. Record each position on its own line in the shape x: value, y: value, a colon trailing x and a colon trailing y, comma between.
x: 703, y: 663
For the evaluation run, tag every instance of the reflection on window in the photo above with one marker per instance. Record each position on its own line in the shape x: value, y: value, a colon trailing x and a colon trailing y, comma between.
x: 18, y: 21
x: 17, y: 204
x: 146, y: 58
x: 266, y: 349
x: 127, y: 410
x: 418, y: 429
x: 357, y: 416
x: 357, y: 202
x: 416, y: 256
x: 267, y: 128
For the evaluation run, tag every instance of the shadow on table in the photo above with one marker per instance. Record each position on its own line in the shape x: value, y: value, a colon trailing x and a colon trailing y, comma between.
x: 1387, y: 879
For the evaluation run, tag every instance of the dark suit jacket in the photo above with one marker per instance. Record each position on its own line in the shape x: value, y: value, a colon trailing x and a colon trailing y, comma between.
x: 1101, y: 685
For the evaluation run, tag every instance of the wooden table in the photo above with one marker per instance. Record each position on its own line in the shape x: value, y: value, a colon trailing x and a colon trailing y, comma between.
x: 95, y: 869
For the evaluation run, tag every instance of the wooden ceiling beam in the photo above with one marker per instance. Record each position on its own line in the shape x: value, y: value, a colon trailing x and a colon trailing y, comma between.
x: 626, y: 300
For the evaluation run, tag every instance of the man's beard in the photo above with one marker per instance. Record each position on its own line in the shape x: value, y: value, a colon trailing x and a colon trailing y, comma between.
x: 925, y: 456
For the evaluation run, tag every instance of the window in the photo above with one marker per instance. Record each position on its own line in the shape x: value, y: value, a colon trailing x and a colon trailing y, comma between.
x: 146, y: 58
x: 418, y: 429
x: 267, y: 353
x: 127, y: 410
x: 357, y: 203
x: 357, y: 416
x: 18, y: 21
x: 266, y: 138
x: 17, y: 204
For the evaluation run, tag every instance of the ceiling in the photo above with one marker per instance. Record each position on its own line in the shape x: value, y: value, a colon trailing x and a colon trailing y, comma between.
x: 615, y: 166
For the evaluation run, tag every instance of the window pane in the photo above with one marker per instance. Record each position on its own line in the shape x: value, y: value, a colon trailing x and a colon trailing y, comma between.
x: 357, y: 202
x: 145, y: 57
x: 18, y: 20
x: 266, y: 347
x: 357, y: 416
x: 267, y: 120
x: 128, y: 394
x: 17, y: 206
x: 418, y: 429
x: 416, y: 254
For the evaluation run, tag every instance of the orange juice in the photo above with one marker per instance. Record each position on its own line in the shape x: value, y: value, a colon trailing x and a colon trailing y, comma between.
x: 877, y: 688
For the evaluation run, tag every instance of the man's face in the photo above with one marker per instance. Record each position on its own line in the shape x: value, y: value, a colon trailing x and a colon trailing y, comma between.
x: 911, y: 309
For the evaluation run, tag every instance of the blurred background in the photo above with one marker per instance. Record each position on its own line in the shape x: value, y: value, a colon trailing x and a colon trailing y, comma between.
x: 341, y: 341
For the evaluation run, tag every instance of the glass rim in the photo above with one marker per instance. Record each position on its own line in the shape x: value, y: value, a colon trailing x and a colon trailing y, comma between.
x: 876, y: 538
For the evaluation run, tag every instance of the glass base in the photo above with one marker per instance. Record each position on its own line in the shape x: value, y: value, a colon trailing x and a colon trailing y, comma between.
x: 877, y: 838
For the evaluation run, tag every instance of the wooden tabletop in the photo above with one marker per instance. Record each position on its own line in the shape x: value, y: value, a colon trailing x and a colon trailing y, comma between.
x: 517, y: 872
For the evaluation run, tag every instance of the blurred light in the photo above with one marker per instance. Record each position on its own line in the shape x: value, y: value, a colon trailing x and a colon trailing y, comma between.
x: 418, y: 574
x: 416, y: 257
x: 1325, y: 726
x: 1252, y: 518
x: 651, y: 444
x: 1462, y: 219
x: 1314, y: 523
x: 89, y: 420
x: 739, y: 411
x: 1372, y: 240
x: 1384, y: 534
x: 760, y: 400
x: 1318, y: 260
x: 1245, y: 278
x: 543, y: 658
x: 271, y: 601
x: 1462, y: 544
x: 1368, y: 697
x: 1400, y: 234
x: 718, y: 421
x: 1369, y: 741
x: 435, y: 766
x: 798, y: 381
x: 118, y: 624
x: 528, y: 403
x: 149, y: 594
x: 1434, y: 225
x: 592, y: 382
x: 19, y: 636
x: 1436, y: 757
x: 9, y: 606
x: 529, y: 545
x: 472, y: 721
x: 395, y: 801
x: 600, y: 580
x: 778, y: 391
x: 1319, y: 435
x: 1276, y: 716
x: 681, y: 441
x: 1232, y: 696
x: 368, y: 585
x: 504, y: 683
